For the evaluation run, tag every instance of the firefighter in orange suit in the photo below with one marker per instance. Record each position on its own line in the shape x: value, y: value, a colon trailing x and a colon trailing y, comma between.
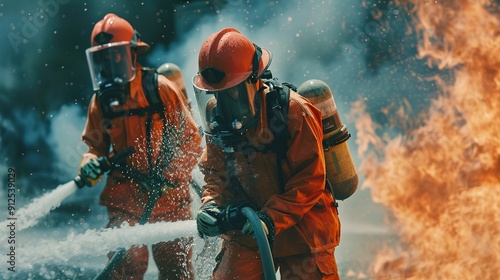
x: 154, y: 119
x: 298, y: 213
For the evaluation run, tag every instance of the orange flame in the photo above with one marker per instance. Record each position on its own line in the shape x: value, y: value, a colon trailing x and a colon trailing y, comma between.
x: 440, y: 180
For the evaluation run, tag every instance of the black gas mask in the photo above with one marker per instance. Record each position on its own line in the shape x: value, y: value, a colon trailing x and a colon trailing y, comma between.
x: 111, y: 98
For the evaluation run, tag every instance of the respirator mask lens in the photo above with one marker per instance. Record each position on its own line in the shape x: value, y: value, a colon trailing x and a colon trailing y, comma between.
x: 230, y: 110
x: 110, y: 64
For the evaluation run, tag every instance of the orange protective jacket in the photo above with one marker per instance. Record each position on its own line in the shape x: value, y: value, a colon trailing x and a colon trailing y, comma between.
x: 181, y: 140
x: 305, y: 215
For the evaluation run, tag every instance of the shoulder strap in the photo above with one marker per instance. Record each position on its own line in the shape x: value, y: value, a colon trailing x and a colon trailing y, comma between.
x: 150, y: 87
x: 152, y: 94
x: 278, y: 102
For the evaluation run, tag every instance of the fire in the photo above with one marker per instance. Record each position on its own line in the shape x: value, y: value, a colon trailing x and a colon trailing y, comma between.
x: 440, y: 180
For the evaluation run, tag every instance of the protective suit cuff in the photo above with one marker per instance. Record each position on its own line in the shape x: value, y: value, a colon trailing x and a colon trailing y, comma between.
x: 270, y: 226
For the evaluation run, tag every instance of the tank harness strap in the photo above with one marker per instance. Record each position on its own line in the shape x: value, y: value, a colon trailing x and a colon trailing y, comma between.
x: 150, y: 87
x: 338, y: 138
x: 154, y: 179
x: 149, y: 147
x: 329, y: 187
x: 151, y: 91
x: 278, y: 99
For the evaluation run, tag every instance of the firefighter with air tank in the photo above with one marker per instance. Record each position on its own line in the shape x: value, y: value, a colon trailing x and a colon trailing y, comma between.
x: 266, y: 149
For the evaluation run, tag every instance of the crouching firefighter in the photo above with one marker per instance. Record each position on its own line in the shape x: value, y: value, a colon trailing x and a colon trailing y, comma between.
x: 260, y: 156
x: 135, y: 107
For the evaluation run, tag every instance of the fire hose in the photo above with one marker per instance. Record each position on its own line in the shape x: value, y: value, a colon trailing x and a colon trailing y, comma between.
x: 264, y: 248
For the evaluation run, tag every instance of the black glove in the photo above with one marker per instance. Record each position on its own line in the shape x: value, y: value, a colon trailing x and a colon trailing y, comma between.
x: 234, y: 216
x: 213, y: 220
x: 209, y: 220
x: 267, y: 224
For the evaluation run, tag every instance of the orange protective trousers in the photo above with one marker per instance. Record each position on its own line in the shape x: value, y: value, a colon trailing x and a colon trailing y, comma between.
x: 239, y: 262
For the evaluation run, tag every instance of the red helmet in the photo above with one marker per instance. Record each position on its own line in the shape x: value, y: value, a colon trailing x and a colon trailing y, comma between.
x: 229, y: 66
x: 228, y: 58
x: 113, y: 29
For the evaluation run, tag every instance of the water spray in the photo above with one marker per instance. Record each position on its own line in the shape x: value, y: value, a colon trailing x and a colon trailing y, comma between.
x: 100, y: 242
x: 39, y: 207
x: 29, y: 215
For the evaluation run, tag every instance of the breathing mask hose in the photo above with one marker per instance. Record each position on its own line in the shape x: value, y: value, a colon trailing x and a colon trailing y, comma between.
x: 264, y: 248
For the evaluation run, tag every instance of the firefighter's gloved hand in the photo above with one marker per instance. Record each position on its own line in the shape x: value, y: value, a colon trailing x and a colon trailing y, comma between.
x: 234, y: 215
x: 91, y: 172
x: 210, y: 220
x: 267, y: 224
x: 213, y: 220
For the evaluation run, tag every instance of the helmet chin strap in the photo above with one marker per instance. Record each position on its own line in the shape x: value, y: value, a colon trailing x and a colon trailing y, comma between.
x: 135, y: 39
x: 260, y: 85
x: 255, y: 64
x: 134, y: 59
x: 264, y: 125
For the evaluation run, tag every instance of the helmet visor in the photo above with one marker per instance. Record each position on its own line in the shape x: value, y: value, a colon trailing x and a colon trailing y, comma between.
x: 230, y: 110
x: 110, y: 63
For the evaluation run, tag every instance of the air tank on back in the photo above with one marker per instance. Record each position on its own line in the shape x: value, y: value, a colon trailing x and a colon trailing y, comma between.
x: 340, y: 169
x: 172, y: 72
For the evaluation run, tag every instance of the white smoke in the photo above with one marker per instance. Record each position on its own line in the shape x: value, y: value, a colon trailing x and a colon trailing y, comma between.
x: 65, y: 139
x: 65, y: 130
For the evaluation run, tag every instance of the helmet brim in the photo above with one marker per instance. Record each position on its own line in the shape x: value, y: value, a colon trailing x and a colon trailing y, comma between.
x: 142, y: 48
x: 232, y: 80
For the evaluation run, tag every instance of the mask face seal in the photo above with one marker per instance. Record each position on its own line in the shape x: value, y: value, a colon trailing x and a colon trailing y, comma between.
x: 110, y: 64
x: 111, y: 69
x: 111, y: 100
x: 228, y: 112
